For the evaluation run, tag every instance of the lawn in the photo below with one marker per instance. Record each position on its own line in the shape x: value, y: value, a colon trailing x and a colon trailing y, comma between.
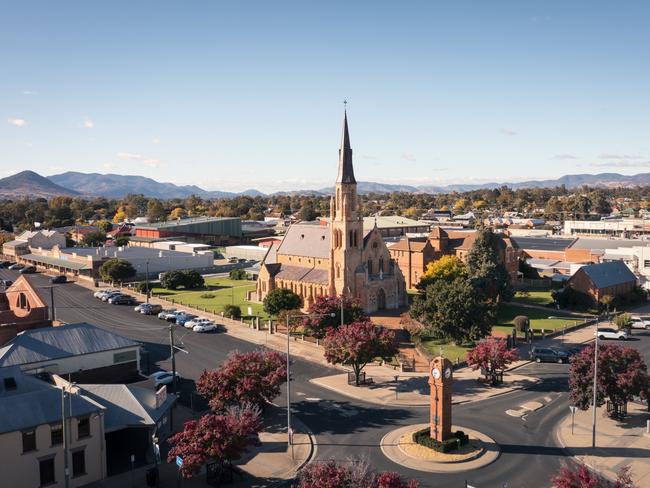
x: 539, y: 319
x: 451, y: 352
x: 217, y: 293
x: 534, y: 297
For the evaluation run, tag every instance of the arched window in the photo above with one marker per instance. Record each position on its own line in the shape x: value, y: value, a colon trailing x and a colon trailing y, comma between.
x: 381, y: 265
x: 338, y: 270
x: 22, y: 301
x: 356, y: 242
x: 369, y: 266
x: 351, y: 239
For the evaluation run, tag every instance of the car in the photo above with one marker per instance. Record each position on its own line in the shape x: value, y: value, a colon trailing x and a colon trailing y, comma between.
x: 171, y: 317
x: 184, y: 317
x: 6, y: 283
x: 16, y: 266
x: 99, y: 294
x: 5, y: 264
x: 107, y: 296
x: 168, y: 312
x: 59, y: 279
x: 121, y: 300
x: 27, y: 270
x: 197, y: 321
x: 549, y: 355
x: 163, y: 378
x: 611, y: 333
x: 148, y: 308
x: 206, y: 327
x: 640, y: 323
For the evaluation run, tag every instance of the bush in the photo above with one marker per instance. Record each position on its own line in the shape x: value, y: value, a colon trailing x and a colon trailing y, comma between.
x: 188, y: 279
x: 207, y: 295
x: 141, y: 287
x: 232, y: 311
x: 423, y: 438
x: 280, y: 299
x: 623, y: 321
x: 567, y: 297
x: 238, y: 274
x: 522, y: 323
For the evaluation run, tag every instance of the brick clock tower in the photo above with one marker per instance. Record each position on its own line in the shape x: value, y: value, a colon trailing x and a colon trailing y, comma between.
x: 440, y: 380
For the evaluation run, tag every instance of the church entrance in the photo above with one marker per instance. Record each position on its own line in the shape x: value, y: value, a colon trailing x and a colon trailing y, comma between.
x: 381, y: 299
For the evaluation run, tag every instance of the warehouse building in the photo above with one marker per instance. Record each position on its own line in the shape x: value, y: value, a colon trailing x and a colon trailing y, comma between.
x: 216, y: 231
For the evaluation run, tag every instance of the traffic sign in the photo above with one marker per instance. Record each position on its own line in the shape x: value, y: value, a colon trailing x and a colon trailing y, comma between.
x: 179, y: 461
x: 573, y: 408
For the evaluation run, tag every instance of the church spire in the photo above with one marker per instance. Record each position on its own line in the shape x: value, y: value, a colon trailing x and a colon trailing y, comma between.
x: 346, y: 171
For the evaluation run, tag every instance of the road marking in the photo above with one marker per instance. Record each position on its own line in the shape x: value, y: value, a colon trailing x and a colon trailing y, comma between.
x: 313, y: 399
x: 300, y: 393
x: 515, y: 413
x: 532, y: 406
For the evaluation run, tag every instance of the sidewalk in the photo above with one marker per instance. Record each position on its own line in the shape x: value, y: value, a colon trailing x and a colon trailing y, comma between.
x: 619, y: 444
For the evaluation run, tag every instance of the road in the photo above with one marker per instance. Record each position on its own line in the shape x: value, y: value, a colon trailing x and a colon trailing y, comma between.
x: 344, y: 428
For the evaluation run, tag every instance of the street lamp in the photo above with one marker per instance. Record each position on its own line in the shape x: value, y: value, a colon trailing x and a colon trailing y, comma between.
x: 147, y: 278
x: 289, y: 317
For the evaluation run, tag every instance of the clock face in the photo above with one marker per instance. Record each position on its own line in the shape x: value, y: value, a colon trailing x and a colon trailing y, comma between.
x: 435, y: 372
x: 448, y: 373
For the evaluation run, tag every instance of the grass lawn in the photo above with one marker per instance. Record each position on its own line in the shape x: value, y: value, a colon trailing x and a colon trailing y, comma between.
x: 538, y: 318
x: 225, y: 292
x: 451, y: 352
x: 535, y: 297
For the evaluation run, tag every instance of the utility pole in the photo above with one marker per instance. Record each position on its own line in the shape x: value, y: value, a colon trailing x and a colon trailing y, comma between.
x: 171, y: 348
x: 147, y: 278
x: 64, y: 431
x: 595, y: 386
x: 52, y: 313
x: 289, y: 432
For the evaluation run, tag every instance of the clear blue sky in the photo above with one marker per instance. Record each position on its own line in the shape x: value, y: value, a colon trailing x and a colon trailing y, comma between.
x: 239, y: 94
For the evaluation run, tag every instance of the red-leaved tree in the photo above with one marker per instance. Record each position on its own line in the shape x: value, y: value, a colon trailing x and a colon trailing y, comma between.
x: 221, y: 437
x: 622, y: 374
x: 328, y: 309
x: 357, y: 344
x: 330, y: 474
x: 491, y: 355
x: 251, y: 377
x: 582, y: 477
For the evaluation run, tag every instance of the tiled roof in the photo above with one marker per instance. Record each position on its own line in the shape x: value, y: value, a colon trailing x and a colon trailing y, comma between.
x: 299, y: 273
x: 309, y: 240
x: 409, y: 245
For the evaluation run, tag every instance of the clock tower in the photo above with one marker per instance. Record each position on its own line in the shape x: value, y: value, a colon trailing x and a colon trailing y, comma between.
x: 440, y: 380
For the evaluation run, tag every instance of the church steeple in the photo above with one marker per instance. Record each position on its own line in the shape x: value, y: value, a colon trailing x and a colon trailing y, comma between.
x: 346, y: 171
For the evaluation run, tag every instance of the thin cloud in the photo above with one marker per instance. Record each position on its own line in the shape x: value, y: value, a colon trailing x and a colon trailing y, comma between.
x: 88, y: 124
x: 368, y: 156
x: 29, y: 92
x: 17, y: 122
x: 108, y: 165
x: 56, y: 168
x: 155, y: 140
x: 408, y: 157
x: 151, y: 163
x: 622, y: 164
x: 563, y: 157
x: 619, y: 156
x: 508, y: 132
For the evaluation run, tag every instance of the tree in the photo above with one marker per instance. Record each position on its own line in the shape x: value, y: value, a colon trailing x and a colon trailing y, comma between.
x: 94, y: 239
x: 522, y: 323
x: 606, y: 301
x: 357, y: 344
x: 104, y: 226
x: 307, y: 212
x: 623, y: 321
x: 221, y: 437
x: 232, y: 311
x: 122, y: 241
x: 330, y: 474
x: 622, y: 374
x: 281, y: 299
x: 178, y: 213
x: 116, y: 270
x: 454, y: 310
x: 484, y: 268
x: 155, y: 210
x: 252, y: 377
x: 491, y: 355
x: 446, y: 268
x: 237, y: 274
x: 186, y: 278
x: 582, y: 477
x: 326, y: 312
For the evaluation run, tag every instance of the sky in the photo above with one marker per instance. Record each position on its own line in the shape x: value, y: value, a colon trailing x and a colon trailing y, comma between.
x: 231, y: 95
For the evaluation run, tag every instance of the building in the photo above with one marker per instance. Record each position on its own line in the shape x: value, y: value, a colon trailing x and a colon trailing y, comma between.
x: 31, y: 434
x: 45, y: 239
x: 216, y: 231
x: 82, y: 352
x: 392, y: 225
x: 22, y: 307
x: 412, y: 256
x: 623, y: 227
x: 338, y: 257
x: 597, y: 280
x: 250, y: 253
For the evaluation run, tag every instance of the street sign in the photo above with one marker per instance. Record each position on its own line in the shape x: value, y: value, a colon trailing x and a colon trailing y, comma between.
x: 179, y: 461
x: 573, y: 408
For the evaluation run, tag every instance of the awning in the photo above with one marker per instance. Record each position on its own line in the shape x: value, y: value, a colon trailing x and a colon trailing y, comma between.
x: 50, y: 261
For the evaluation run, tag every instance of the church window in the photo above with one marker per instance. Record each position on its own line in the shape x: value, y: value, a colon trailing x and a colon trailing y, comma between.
x: 338, y: 270
x: 374, y: 245
x: 381, y: 265
x: 356, y: 242
x: 369, y: 266
x: 351, y: 241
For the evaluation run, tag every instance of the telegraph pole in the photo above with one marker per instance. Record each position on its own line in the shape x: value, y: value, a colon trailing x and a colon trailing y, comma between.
x: 147, y: 278
x: 52, y: 313
x: 64, y: 431
x: 595, y: 387
x: 171, y: 348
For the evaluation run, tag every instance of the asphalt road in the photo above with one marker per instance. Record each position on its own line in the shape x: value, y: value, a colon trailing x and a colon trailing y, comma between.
x: 344, y: 428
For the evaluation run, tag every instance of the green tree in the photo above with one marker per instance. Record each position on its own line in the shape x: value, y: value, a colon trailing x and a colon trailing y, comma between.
x: 307, y: 212
x: 281, y: 299
x: 94, y: 239
x: 122, y: 241
x: 104, y: 226
x: 232, y: 311
x: 116, y: 270
x: 155, y: 210
x: 484, y: 268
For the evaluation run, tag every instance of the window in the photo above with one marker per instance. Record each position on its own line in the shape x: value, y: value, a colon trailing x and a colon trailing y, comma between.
x: 381, y: 265
x: 56, y: 434
x: 83, y: 428
x: 29, y: 440
x: 124, y: 357
x: 78, y: 463
x: 369, y: 266
x: 22, y: 301
x: 46, y: 467
x: 646, y: 263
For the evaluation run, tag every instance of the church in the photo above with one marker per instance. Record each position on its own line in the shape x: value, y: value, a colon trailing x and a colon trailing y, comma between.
x: 336, y: 258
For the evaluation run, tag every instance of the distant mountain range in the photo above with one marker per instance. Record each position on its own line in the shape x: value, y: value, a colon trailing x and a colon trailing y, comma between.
x: 29, y: 183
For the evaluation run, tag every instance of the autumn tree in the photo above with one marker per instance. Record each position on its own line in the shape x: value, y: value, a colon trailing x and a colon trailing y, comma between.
x: 251, y: 377
x: 326, y: 314
x: 104, y: 226
x: 622, y: 374
x: 280, y: 299
x: 582, y: 477
x: 491, y: 355
x: 357, y: 344
x: 223, y: 437
x: 330, y: 474
x: 446, y: 268
x: 116, y: 270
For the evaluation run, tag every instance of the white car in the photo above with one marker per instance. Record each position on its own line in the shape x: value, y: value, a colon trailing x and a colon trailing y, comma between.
x: 163, y: 378
x: 100, y: 294
x: 640, y: 323
x: 610, y: 333
x: 198, y: 321
x: 205, y: 327
x: 165, y: 314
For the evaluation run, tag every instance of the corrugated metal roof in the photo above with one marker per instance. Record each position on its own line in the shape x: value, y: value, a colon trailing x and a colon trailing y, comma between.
x: 306, y: 240
x: 542, y: 243
x: 50, y: 343
x: 37, y: 258
x: 602, y: 244
x: 608, y: 274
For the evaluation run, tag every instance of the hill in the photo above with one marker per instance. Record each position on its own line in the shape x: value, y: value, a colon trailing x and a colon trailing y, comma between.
x: 29, y: 183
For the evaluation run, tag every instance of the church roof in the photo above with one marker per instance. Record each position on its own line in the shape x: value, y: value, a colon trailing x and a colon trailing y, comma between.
x: 346, y: 171
x: 309, y: 240
x: 409, y: 245
x: 301, y: 273
x: 438, y: 233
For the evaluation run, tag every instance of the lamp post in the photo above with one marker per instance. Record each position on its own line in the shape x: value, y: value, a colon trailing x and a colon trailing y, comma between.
x: 147, y: 278
x: 289, y: 317
x: 595, y: 386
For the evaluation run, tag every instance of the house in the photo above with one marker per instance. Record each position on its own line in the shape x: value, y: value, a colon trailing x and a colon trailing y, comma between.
x: 412, y: 255
x: 597, y: 280
x: 31, y: 434
x: 82, y: 352
x: 45, y: 239
x: 22, y: 306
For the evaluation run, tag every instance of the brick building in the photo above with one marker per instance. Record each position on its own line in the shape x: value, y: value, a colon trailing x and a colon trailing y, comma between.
x: 597, y: 280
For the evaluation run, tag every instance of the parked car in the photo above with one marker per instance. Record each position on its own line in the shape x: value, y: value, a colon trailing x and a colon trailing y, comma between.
x: 148, y: 308
x: 549, y: 355
x: 6, y: 283
x: 184, y: 317
x: 121, y: 300
x: 16, y: 266
x: 99, y: 294
x: 207, y: 327
x: 173, y: 316
x: 611, y: 333
x: 640, y: 323
x: 163, y: 378
x: 197, y: 321
x: 168, y: 312
x: 107, y: 296
x: 59, y: 279
x: 28, y: 270
x: 5, y: 264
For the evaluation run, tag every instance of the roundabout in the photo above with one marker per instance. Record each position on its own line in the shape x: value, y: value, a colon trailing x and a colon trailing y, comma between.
x: 398, y: 446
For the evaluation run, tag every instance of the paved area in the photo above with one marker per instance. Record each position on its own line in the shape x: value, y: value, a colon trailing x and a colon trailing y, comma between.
x: 618, y: 444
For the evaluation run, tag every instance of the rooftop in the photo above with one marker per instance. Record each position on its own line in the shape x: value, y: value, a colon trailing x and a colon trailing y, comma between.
x: 608, y: 274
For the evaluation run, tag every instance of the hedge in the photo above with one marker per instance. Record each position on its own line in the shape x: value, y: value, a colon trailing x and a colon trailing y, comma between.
x: 423, y: 438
